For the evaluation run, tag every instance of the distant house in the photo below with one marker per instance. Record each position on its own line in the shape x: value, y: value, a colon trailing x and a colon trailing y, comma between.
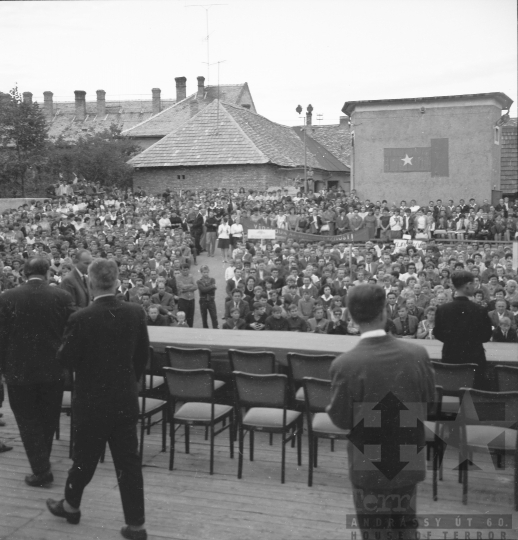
x: 228, y: 145
x: 151, y: 130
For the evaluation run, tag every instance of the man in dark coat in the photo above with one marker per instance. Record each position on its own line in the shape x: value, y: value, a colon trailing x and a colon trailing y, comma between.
x: 76, y: 282
x: 32, y: 320
x: 382, y: 375
x: 463, y: 327
x: 197, y: 231
x: 105, y: 405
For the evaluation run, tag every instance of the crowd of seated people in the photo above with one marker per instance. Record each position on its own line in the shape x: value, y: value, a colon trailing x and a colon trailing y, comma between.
x: 289, y: 285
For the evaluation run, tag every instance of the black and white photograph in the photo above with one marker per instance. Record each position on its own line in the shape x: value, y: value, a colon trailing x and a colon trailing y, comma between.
x: 176, y: 175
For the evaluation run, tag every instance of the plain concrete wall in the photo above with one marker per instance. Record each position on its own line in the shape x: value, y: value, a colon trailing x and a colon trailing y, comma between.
x: 474, y: 158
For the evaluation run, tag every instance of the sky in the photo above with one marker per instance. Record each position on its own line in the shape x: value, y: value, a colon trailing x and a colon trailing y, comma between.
x: 290, y: 52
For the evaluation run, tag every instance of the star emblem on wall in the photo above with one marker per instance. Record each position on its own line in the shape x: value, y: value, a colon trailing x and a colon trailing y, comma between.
x: 407, y: 160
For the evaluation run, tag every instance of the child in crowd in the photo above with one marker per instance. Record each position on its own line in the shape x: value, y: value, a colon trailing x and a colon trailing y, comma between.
x: 234, y: 322
x: 180, y: 320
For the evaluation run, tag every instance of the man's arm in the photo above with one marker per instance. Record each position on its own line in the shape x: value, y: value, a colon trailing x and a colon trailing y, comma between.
x: 141, y: 353
x: 340, y: 409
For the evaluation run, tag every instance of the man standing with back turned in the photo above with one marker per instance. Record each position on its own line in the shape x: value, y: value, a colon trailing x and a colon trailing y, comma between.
x: 32, y: 320
x: 107, y: 345
x: 463, y: 327
x: 371, y: 386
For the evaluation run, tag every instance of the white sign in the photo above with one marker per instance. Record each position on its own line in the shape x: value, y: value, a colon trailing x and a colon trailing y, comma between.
x: 261, y: 234
x: 402, y: 244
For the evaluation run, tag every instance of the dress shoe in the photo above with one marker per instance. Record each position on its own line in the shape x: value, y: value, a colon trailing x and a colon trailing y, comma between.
x: 39, y: 480
x: 131, y: 534
x: 56, y: 508
x: 5, y: 448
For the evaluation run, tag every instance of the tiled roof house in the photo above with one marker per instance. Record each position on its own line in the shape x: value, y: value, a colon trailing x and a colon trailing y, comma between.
x: 227, y: 145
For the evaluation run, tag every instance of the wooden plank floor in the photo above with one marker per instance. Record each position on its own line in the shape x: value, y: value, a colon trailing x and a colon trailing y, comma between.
x: 189, y: 504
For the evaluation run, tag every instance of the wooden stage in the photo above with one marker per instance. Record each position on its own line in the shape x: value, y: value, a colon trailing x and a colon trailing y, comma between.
x: 189, y: 504
x: 282, y: 342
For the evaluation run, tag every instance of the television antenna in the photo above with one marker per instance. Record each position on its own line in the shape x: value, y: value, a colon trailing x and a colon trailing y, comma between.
x: 206, y: 7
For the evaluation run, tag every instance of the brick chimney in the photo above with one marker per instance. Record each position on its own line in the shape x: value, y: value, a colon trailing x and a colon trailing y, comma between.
x: 181, y: 88
x: 48, y: 104
x: 157, y: 104
x: 245, y: 106
x: 101, y: 103
x: 201, y: 88
x: 309, y: 115
x: 27, y: 98
x: 80, y: 104
x: 194, y: 107
x: 344, y: 120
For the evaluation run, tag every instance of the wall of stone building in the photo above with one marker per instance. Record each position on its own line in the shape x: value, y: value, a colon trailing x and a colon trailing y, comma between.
x: 157, y: 179
x: 509, y: 160
x: 473, y: 156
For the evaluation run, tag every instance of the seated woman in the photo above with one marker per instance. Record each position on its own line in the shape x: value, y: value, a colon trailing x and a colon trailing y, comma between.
x: 426, y: 326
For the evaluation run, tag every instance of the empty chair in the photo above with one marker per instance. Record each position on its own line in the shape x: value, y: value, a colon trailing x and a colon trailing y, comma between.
x: 182, y: 358
x: 453, y: 377
x: 305, y: 365
x: 317, y: 393
x: 265, y: 400
x: 149, y: 407
x: 195, y: 390
x: 489, y: 421
x: 507, y: 378
x: 259, y: 363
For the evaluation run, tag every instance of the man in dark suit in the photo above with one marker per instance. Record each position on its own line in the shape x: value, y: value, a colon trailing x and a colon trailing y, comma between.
x: 76, y: 282
x: 106, y: 405
x: 399, y: 374
x: 504, y: 333
x: 32, y: 320
x: 463, y: 327
x: 197, y: 231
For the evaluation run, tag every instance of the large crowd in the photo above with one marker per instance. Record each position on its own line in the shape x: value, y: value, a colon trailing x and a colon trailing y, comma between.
x: 291, y: 285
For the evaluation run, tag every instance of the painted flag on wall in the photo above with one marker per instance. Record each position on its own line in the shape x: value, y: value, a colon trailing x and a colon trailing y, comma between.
x: 433, y: 159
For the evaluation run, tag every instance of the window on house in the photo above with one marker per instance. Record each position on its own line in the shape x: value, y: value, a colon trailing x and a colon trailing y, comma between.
x: 497, y: 135
x: 180, y: 176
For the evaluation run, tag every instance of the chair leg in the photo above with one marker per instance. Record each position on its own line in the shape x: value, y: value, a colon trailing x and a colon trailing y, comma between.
x: 212, y: 448
x: 187, y: 441
x: 271, y: 439
x: 171, y: 450
x: 315, y: 453
x: 206, y: 433
x: 240, y: 457
x: 252, y: 436
x: 149, y: 425
x: 332, y: 445
x: 465, y: 483
x: 231, y: 434
x: 283, y: 458
x: 57, y: 428
x: 310, y: 467
x: 436, y: 451
x: 299, y: 441
x: 164, y: 430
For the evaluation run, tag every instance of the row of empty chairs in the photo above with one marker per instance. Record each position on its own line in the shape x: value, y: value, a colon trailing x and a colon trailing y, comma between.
x: 187, y: 392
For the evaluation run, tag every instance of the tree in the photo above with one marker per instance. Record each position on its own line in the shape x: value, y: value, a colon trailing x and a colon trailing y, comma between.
x: 101, y: 157
x: 23, y: 138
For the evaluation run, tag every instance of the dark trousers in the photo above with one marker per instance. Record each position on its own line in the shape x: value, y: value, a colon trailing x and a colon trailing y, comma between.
x: 208, y: 306
x: 379, y: 510
x: 36, y: 408
x: 90, y: 438
x: 187, y: 306
x: 197, y: 237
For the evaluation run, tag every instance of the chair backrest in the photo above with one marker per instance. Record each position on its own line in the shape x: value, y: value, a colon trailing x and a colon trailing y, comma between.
x: 507, y: 378
x: 261, y: 390
x: 181, y: 358
x: 305, y: 365
x: 190, y: 384
x: 317, y: 393
x: 490, y: 408
x: 259, y: 363
x: 453, y: 377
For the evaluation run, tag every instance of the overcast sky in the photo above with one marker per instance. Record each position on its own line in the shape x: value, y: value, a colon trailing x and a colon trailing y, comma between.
x: 323, y: 52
